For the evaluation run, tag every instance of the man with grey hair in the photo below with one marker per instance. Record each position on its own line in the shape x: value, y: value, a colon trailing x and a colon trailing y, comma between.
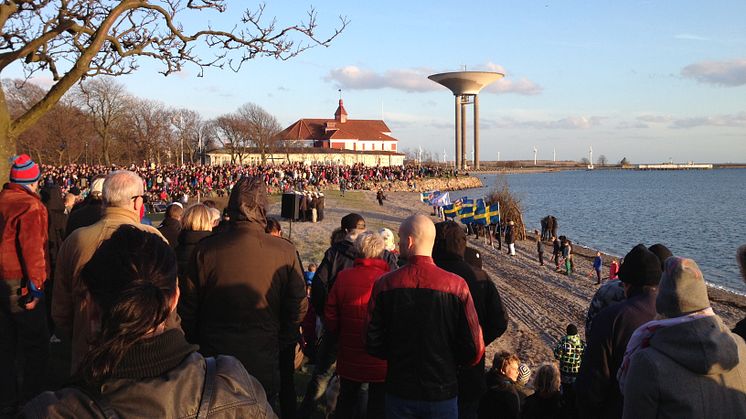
x: 123, y: 204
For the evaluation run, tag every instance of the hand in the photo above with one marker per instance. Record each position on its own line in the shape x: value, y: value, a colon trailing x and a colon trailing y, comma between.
x: 31, y: 304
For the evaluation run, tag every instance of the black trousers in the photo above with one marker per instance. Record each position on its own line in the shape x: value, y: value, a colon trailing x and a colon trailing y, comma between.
x: 287, y: 384
x: 24, y: 336
x: 350, y: 396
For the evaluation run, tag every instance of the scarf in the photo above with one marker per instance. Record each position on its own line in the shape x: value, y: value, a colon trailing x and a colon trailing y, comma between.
x: 641, y: 338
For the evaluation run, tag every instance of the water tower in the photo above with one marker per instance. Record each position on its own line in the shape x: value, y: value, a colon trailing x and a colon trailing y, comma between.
x: 466, y: 86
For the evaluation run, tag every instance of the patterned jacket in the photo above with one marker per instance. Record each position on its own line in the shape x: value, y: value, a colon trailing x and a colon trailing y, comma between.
x: 569, y: 353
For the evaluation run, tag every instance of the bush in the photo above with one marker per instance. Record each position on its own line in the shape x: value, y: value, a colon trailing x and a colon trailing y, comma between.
x: 510, y: 206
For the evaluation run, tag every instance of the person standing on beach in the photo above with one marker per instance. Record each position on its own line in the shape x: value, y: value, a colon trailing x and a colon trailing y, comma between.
x: 614, y: 270
x: 539, y: 248
x: 450, y: 253
x: 597, y: 265
x: 250, y: 296
x: 567, y: 255
x: 23, y: 273
x: 341, y: 255
x: 686, y: 363
x: 422, y: 321
x: 510, y: 237
x: 380, y: 197
x: 556, y: 250
x: 597, y: 389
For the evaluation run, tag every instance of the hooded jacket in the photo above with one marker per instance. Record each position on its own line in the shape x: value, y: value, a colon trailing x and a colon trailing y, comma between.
x: 250, y: 296
x: 23, y: 224
x: 691, y: 370
x: 448, y: 252
x: 91, y: 210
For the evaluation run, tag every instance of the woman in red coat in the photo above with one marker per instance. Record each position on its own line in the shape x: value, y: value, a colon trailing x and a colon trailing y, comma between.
x: 345, y: 313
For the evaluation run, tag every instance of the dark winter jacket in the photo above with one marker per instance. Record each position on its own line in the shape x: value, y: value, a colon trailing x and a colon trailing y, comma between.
x: 544, y: 407
x: 339, y: 256
x: 188, y: 240
x: 170, y: 229
x: 596, y: 387
x: 161, y: 377
x: 740, y: 329
x: 691, y: 370
x: 510, y: 234
x: 492, y: 318
x: 346, y: 311
x: 501, y: 400
x: 24, y: 226
x: 91, y: 210
x: 421, y: 319
x: 51, y: 196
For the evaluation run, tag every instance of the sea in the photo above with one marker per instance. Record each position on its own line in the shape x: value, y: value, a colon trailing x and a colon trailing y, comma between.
x: 699, y: 214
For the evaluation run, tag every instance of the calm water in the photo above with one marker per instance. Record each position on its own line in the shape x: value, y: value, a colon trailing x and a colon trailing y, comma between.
x: 697, y: 214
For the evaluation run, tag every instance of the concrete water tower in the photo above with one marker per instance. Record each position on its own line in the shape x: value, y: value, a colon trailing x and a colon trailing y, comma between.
x: 466, y: 86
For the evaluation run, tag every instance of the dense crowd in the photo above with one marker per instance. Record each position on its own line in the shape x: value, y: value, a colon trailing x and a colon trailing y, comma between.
x: 171, y: 182
x: 211, y: 315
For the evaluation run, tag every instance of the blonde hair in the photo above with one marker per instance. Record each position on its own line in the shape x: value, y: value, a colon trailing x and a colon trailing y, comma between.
x: 197, y: 218
x: 388, y: 238
x: 369, y: 245
x: 547, y: 379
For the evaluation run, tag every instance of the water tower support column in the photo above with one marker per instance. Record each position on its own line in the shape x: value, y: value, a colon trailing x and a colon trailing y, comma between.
x: 458, y: 132
x: 476, y: 132
x: 464, y: 158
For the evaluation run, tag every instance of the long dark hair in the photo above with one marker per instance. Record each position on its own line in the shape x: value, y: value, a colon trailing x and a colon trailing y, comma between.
x: 132, y: 280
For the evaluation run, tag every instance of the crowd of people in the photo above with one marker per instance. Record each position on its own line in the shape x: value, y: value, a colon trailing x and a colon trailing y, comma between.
x: 209, y: 315
x: 172, y: 182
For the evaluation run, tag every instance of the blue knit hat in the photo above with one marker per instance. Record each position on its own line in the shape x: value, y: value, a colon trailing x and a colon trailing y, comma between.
x: 24, y: 170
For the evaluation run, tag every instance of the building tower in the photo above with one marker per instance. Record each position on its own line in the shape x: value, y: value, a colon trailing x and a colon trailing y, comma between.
x: 466, y: 86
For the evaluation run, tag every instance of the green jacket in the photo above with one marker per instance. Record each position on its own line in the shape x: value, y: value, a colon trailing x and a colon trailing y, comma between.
x: 569, y: 352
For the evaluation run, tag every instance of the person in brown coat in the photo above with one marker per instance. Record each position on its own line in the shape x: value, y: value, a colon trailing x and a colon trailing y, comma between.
x: 250, y: 296
x: 122, y: 195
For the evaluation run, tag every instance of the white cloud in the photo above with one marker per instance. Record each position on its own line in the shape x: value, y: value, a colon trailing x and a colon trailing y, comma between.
x: 724, y: 73
x: 655, y: 119
x: 415, y: 80
x: 631, y: 125
x: 732, y: 120
x: 569, y: 123
x: 690, y: 37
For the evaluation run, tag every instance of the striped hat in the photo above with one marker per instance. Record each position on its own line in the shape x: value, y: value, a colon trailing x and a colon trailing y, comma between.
x: 524, y: 374
x: 24, y: 170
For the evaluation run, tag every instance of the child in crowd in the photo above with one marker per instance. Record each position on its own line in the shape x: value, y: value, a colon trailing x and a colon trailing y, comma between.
x: 614, y: 270
x: 597, y: 265
x: 569, y: 352
x: 521, y: 383
x: 539, y: 248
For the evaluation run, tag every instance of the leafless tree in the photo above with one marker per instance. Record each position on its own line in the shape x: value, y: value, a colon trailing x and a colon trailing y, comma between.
x: 234, y: 134
x: 75, y: 39
x: 148, y: 127
x: 602, y: 160
x: 106, y: 101
x: 263, y: 127
x: 190, y: 130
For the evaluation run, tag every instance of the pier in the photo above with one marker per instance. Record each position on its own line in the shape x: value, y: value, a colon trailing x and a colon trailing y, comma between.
x: 674, y: 166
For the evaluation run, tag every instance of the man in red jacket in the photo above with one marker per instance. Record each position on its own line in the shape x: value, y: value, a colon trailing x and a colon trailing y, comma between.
x: 421, y: 319
x: 23, y: 271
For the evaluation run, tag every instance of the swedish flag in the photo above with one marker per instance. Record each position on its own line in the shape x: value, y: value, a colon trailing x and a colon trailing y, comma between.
x: 480, y: 216
x: 492, y: 214
x: 450, y: 211
x: 467, y: 219
x: 467, y: 207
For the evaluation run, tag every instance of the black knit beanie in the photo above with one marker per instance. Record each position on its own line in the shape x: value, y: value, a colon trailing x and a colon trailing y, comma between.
x: 641, y: 267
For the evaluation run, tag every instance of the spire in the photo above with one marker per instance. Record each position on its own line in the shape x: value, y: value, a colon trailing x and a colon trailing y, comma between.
x: 341, y: 114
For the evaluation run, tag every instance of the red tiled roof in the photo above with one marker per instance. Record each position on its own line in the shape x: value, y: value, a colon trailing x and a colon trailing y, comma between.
x: 352, y: 129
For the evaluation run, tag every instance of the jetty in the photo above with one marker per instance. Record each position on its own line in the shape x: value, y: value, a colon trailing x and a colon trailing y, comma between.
x: 674, y: 166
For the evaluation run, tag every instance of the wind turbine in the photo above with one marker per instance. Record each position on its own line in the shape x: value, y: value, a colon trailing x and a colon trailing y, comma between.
x: 590, y: 154
x: 535, y: 151
x: 554, y: 154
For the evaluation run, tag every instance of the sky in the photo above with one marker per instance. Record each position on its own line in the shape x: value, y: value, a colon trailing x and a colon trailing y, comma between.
x: 651, y: 81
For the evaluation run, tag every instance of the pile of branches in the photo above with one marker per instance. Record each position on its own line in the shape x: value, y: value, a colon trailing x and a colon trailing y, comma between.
x: 510, y: 206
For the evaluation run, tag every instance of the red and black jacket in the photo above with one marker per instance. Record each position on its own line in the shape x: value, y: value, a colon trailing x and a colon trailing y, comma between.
x: 421, y: 319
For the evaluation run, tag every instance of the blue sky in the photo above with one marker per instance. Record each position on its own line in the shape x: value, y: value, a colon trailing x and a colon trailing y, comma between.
x: 646, y: 80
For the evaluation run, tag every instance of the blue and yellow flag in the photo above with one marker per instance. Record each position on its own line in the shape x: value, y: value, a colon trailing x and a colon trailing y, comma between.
x: 487, y: 215
x: 451, y: 211
x: 467, y: 219
x: 467, y: 207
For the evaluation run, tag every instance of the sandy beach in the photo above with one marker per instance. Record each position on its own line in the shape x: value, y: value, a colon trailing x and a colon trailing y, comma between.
x: 540, y: 301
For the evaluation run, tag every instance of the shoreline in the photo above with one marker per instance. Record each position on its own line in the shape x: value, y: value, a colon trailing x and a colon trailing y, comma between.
x: 540, y: 302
